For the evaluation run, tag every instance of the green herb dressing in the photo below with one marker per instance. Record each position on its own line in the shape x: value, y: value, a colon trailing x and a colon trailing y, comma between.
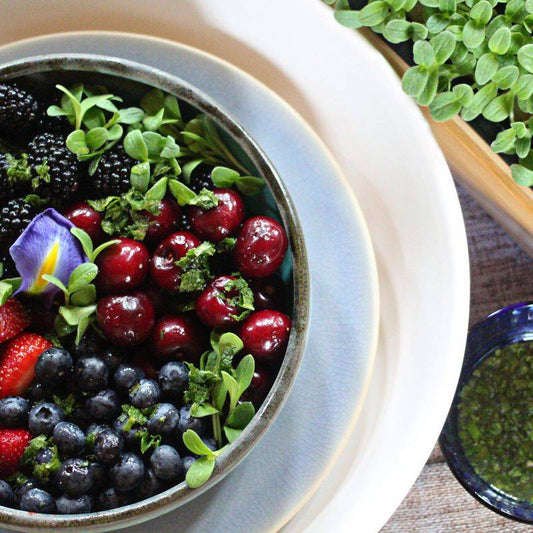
x: 496, y: 420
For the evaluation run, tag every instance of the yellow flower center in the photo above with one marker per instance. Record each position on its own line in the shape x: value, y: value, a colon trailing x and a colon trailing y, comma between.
x: 48, y: 267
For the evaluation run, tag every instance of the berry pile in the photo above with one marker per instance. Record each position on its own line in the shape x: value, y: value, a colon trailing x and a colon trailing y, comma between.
x: 156, y: 348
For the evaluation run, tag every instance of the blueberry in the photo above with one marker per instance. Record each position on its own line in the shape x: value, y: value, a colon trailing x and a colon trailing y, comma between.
x: 80, y: 416
x: 7, y: 497
x: 37, y: 392
x: 91, y: 433
x: 187, y: 462
x: 37, y: 501
x: 99, y: 476
x: 111, y: 499
x: 210, y: 443
x: 45, y: 464
x: 104, y: 405
x: 166, y: 463
x: 189, y: 422
x: 53, y: 367
x: 112, y: 357
x: 108, y: 446
x: 145, y: 394
x: 74, y: 477
x: 14, y: 412
x: 126, y: 376
x: 79, y: 505
x: 23, y: 488
x: 44, y: 417
x: 127, y: 473
x: 91, y: 374
x: 173, y: 379
x: 69, y: 439
x: 164, y: 420
x: 129, y: 435
x: 149, y: 486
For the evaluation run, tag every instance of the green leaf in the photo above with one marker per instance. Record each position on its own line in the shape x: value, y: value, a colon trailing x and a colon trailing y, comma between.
x: 443, y: 46
x: 140, y: 176
x: 506, y: 77
x: 205, y: 199
x: 241, y: 416
x: 444, y: 106
x: 96, y: 137
x: 8, y: 287
x: 135, y: 145
x: 115, y: 132
x: 74, y: 315
x: 153, y: 123
x: 76, y: 142
x: 398, y: 31
x: 203, y: 410
x: 348, y: 18
x: 523, y: 176
x: 525, y: 57
x: 157, y: 191
x: 170, y: 149
x: 229, y: 342
x: 101, y: 248
x: 523, y: 87
x: 224, y: 177
x: 473, y: 34
x: 523, y: 147
x: 423, y: 53
x: 85, y: 296
x: 154, y: 143
x: 464, y: 94
x: 481, y: 12
x: 148, y: 441
x: 232, y: 434
x: 430, y: 90
x: 200, y: 472
x: 374, y: 13
x: 130, y: 115
x: 188, y: 169
x: 250, y: 185
x: 414, y: 80
x: 499, y: 108
x: 486, y: 68
x: 481, y: 99
x: 437, y: 23
x: 244, y: 372
x: 82, y: 275
x: 195, y: 444
x: 500, y: 42
x: 181, y: 192
x: 419, y: 31
x: 55, y: 281
x: 504, y: 141
x: 233, y: 389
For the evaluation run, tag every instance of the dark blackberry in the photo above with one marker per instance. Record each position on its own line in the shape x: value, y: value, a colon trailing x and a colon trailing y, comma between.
x: 60, y: 177
x: 112, y: 177
x: 8, y: 265
x: 15, y: 215
x: 19, y: 111
x: 15, y: 177
x: 201, y: 178
x: 54, y: 124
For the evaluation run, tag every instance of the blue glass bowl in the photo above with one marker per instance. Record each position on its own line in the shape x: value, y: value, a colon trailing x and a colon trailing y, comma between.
x: 510, y: 324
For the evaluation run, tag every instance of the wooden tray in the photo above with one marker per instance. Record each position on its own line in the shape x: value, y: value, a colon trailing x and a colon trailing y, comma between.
x: 482, y: 172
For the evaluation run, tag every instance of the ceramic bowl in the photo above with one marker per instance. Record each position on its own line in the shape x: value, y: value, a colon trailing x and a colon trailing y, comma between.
x: 132, y: 80
x: 505, y: 326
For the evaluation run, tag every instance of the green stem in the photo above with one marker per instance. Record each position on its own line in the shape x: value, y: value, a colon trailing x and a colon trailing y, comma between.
x: 217, y: 429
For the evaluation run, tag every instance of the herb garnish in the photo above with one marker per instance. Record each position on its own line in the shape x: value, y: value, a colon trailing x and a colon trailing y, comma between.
x: 196, y: 271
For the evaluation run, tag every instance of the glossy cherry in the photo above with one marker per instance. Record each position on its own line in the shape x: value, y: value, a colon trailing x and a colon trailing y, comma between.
x: 83, y: 216
x: 213, y: 306
x: 126, y: 320
x: 179, y: 338
x: 260, y: 247
x: 165, y: 222
x: 163, y: 268
x: 265, y: 335
x: 269, y: 293
x: 261, y: 383
x: 221, y: 221
x: 122, y: 267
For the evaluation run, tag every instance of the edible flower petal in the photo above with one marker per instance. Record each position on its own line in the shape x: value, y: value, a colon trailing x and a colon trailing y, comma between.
x: 46, y: 247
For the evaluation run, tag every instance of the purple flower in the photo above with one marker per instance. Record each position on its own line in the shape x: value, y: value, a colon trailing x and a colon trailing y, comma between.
x: 46, y: 247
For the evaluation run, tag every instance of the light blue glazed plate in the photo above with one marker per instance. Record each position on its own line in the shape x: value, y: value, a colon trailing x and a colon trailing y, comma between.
x: 296, y: 453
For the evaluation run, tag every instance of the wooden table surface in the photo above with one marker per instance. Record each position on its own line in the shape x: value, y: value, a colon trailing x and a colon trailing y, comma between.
x: 501, y: 273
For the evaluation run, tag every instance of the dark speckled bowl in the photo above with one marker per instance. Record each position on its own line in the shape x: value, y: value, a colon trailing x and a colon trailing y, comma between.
x: 131, y: 80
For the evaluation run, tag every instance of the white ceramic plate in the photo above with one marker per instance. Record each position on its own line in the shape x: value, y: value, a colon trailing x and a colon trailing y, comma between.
x: 349, y: 95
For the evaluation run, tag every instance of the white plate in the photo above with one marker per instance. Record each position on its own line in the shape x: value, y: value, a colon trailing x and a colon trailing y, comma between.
x: 353, y: 100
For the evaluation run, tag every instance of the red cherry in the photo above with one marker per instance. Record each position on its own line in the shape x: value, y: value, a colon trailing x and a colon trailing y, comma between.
x: 122, y: 266
x: 125, y: 320
x: 178, y: 337
x: 261, y: 383
x: 265, y: 335
x: 213, y: 307
x: 83, y: 216
x: 165, y: 222
x: 260, y: 247
x: 269, y: 293
x: 141, y: 361
x: 221, y: 221
x: 163, y: 268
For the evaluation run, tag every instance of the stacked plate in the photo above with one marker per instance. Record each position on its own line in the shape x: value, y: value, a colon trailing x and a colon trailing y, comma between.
x: 364, y: 414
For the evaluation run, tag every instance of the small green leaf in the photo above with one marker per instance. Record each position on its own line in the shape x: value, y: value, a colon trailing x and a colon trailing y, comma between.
x: 525, y: 57
x: 504, y: 141
x: 481, y: 12
x: 506, y: 77
x: 224, y: 177
x: 499, y: 108
x: 135, y: 146
x: 55, y: 281
x: 200, y: 472
x: 523, y: 87
x: 81, y: 329
x: 374, y: 13
x: 115, y: 132
x: 8, y: 287
x: 244, y: 372
x: 348, y: 18
x: 241, y: 416
x: 153, y: 123
x: 423, y: 53
x: 430, y: 90
x: 250, y: 185
x: 140, y: 176
x: 203, y: 410
x: 195, y: 444
x: 181, y: 192
x: 481, y: 99
x: 74, y: 315
x: 486, y: 68
x: 76, y: 142
x: 523, y: 147
x: 414, y: 80
x: 82, y: 275
x: 188, y: 169
x: 85, y: 296
x: 398, y: 31
x: 232, y: 434
x: 130, y: 115
x: 154, y: 143
x: 101, y: 248
x: 473, y: 34
x: 170, y: 149
x: 444, y: 106
x: 157, y: 191
x: 444, y: 46
x: 233, y: 389
x: 229, y: 342
x: 96, y: 137
x: 500, y: 42
x: 464, y: 94
x: 523, y: 176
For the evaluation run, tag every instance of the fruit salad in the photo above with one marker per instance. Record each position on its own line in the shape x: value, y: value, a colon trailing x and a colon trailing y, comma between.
x: 143, y: 314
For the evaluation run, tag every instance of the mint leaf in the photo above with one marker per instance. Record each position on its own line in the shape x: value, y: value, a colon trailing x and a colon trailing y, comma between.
x: 206, y: 199
x: 196, y: 268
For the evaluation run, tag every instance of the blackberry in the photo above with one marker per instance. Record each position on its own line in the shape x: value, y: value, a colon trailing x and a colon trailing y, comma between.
x: 19, y: 111
x: 15, y: 215
x: 60, y: 177
x: 201, y: 178
x: 15, y: 177
x: 112, y: 177
x: 8, y: 264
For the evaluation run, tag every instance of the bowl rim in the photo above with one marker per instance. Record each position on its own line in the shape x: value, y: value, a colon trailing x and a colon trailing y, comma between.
x: 181, y: 494
x: 450, y: 450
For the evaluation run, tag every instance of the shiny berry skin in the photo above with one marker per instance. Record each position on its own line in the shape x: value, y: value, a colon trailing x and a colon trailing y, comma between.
x: 126, y: 320
x: 53, y: 367
x: 145, y: 394
x: 261, y: 383
x: 178, y: 337
x: 14, y: 412
x: 108, y: 446
x: 260, y: 247
x: 220, y: 221
x: 91, y: 374
x: 38, y: 501
x: 265, y: 335
x: 75, y: 477
x: 44, y: 417
x: 7, y: 497
x: 173, y: 379
x: 164, y: 420
x: 104, y: 405
x: 166, y: 463
x: 83, y: 216
x: 69, y: 439
x: 187, y: 421
x: 127, y: 473
x: 163, y: 268
x: 214, y: 310
x: 165, y: 222
x: 80, y: 505
x: 122, y: 267
x: 111, y: 499
x: 269, y: 293
x: 126, y: 376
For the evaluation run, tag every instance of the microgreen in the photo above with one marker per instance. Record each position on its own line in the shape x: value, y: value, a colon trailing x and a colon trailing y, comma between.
x: 471, y: 58
x: 215, y: 389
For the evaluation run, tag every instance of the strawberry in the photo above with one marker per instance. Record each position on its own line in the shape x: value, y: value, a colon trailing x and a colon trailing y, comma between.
x: 17, y: 363
x: 13, y: 319
x: 13, y: 443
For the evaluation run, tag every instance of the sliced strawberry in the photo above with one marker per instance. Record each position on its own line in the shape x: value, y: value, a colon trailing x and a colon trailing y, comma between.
x: 17, y: 363
x: 13, y: 319
x: 13, y: 443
